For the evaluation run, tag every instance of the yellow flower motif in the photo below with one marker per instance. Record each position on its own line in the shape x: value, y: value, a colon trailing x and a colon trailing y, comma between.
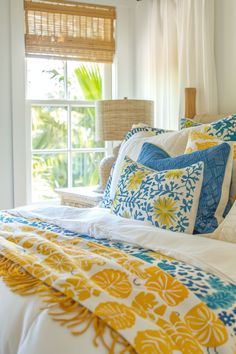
x: 26, y: 228
x: 197, y: 135
x: 116, y: 315
x: 60, y: 262
x: 206, y: 327
x: 114, y: 282
x: 29, y: 242
x: 133, y: 266
x: 174, y: 174
x: 46, y: 248
x: 180, y: 335
x: 164, y: 210
x: 74, y: 241
x: 15, y: 239
x: 48, y: 235
x: 86, y: 264
x: 144, y: 304
x: 153, y: 342
x: 78, y: 287
x: 136, y: 179
x: 169, y: 289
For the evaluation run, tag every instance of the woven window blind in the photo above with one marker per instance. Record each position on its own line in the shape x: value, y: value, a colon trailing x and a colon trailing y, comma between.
x: 71, y: 30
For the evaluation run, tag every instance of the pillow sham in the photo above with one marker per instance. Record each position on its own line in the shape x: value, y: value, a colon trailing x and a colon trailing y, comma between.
x: 140, y: 131
x: 173, y: 142
x: 225, y: 128
x: 166, y: 199
x: 200, y: 140
x: 215, y: 187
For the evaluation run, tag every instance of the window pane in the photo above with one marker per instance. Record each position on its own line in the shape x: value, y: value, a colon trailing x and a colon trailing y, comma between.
x: 49, y: 172
x: 45, y: 79
x: 84, y: 80
x: 49, y: 127
x: 85, y: 168
x: 83, y: 128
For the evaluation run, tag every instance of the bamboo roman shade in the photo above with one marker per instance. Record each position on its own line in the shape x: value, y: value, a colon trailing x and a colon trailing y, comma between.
x: 71, y: 30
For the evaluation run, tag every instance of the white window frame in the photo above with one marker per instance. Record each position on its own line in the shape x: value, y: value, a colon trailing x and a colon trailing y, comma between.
x: 69, y: 104
x: 123, y: 86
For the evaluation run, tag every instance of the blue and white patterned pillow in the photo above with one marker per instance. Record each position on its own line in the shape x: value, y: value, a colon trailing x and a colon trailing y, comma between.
x: 107, y: 201
x: 211, y: 204
x: 224, y: 129
x: 153, y: 131
x: 166, y: 199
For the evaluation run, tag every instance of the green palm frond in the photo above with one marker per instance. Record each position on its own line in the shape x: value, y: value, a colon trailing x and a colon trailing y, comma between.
x: 90, y: 81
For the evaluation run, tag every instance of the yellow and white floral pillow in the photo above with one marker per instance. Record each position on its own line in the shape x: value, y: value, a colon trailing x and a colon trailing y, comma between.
x: 167, y: 199
x: 200, y: 140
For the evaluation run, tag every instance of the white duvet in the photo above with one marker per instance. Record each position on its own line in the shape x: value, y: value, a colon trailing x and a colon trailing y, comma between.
x: 26, y: 329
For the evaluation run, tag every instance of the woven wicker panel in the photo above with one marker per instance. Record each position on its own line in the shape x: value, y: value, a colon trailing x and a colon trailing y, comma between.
x: 70, y: 30
x: 115, y: 117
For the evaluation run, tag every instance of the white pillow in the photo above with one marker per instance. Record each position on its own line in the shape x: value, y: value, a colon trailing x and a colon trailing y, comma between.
x: 172, y: 142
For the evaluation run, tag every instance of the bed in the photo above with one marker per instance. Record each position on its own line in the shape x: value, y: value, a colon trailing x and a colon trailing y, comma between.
x: 88, y: 280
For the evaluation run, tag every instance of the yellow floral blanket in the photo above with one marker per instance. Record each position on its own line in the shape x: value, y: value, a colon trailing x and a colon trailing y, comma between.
x: 131, y: 304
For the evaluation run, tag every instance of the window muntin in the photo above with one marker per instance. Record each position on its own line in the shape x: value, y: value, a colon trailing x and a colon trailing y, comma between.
x: 63, y: 147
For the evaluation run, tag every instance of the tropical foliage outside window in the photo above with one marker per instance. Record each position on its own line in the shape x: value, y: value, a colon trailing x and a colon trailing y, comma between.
x: 64, y: 150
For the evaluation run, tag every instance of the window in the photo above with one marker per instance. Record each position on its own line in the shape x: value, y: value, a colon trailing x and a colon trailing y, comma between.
x: 69, y: 47
x: 64, y: 152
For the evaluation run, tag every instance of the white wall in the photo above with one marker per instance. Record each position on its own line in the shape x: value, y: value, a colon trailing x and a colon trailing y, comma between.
x: 225, y: 51
x: 6, y: 162
x: 12, y: 106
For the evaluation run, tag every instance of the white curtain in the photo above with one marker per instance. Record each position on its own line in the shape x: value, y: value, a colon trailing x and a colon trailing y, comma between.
x: 164, y: 62
x: 182, y: 55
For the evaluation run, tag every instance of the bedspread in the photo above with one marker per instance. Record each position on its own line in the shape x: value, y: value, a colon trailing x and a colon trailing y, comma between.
x: 144, y: 301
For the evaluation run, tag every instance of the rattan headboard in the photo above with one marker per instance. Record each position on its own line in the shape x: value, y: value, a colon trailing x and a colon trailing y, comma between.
x: 190, y: 108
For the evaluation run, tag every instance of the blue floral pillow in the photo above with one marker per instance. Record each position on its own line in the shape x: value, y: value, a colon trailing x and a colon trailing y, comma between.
x: 166, y: 199
x: 154, y: 131
x: 224, y: 129
x: 214, y: 159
